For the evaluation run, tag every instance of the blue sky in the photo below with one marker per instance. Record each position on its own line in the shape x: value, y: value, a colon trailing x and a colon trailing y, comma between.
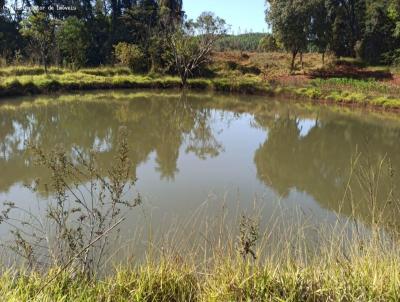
x: 244, y: 14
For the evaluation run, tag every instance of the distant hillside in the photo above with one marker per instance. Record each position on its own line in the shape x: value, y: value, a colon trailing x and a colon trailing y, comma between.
x: 243, y: 42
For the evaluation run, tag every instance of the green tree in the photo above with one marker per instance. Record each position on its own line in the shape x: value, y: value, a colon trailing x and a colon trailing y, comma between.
x: 171, y: 11
x: 139, y: 25
x: 348, y: 24
x: 100, y: 41
x: 393, y: 12
x: 73, y: 41
x: 39, y: 28
x: 290, y: 21
x: 340, y: 41
x: 378, y: 33
x: 130, y: 55
x: 10, y: 38
x: 321, y: 28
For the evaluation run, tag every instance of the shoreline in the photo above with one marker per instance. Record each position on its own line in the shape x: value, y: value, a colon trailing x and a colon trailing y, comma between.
x: 47, y: 85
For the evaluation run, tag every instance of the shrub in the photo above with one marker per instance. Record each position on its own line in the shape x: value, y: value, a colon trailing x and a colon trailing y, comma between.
x: 131, y: 55
x: 313, y: 93
x: 268, y: 44
x: 250, y: 69
x: 392, y: 57
x: 80, y: 227
x: 231, y: 65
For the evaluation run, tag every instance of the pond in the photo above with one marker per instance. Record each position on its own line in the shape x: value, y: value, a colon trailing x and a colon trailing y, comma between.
x: 198, y: 154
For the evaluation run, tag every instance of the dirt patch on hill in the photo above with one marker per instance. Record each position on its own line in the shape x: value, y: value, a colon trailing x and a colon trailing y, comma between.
x: 395, y: 81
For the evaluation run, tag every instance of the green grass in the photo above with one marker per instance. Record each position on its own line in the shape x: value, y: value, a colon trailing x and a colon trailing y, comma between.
x: 37, y: 70
x: 351, y: 91
x: 37, y: 84
x: 365, y: 274
x: 367, y: 86
x: 83, y: 80
x: 19, y: 81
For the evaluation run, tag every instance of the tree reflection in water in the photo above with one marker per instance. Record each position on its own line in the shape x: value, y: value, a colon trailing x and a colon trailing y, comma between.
x: 319, y: 162
x: 306, y: 149
x: 154, y: 126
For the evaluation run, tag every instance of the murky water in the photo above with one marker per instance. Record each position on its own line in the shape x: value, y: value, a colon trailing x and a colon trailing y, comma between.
x: 241, y: 152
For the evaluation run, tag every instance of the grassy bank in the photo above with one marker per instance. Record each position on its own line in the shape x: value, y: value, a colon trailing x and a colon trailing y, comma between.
x: 352, y: 91
x: 92, y: 79
x: 367, y: 273
x: 229, y: 76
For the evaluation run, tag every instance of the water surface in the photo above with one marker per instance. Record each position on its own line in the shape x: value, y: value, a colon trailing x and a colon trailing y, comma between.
x: 187, y: 151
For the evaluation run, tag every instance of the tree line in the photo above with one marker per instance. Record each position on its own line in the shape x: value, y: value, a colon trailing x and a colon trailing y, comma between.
x: 242, y: 42
x: 154, y: 35
x: 146, y: 35
x: 366, y: 29
x: 84, y: 32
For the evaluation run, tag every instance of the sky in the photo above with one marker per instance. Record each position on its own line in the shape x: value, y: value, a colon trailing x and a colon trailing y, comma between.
x: 246, y: 15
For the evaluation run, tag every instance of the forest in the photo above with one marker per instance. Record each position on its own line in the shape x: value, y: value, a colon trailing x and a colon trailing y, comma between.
x: 103, y: 32
x: 38, y: 32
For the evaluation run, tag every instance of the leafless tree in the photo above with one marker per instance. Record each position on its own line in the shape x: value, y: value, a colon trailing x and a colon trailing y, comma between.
x: 192, y: 42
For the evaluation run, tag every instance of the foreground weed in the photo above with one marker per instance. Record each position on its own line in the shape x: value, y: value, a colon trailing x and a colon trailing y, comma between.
x: 86, y: 207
